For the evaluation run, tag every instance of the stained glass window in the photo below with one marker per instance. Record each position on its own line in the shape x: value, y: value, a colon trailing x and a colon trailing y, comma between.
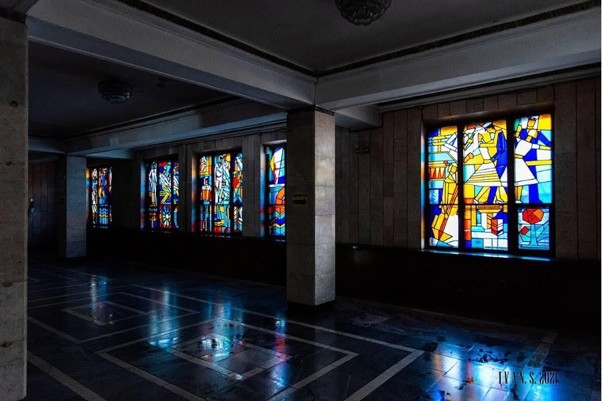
x: 276, y: 170
x: 162, y: 194
x: 100, y: 188
x: 220, y: 193
x: 505, y: 206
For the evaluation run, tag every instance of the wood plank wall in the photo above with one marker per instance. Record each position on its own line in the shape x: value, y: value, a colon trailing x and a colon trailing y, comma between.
x: 42, y: 223
x: 379, y: 193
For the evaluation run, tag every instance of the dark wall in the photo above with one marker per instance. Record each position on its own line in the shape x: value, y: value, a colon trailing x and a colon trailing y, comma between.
x: 42, y: 188
x: 554, y: 294
x: 253, y: 259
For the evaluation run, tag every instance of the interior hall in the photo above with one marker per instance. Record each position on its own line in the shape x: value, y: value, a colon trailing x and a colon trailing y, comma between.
x: 300, y: 200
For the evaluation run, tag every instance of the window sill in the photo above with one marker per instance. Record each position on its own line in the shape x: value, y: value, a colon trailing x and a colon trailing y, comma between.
x: 489, y: 255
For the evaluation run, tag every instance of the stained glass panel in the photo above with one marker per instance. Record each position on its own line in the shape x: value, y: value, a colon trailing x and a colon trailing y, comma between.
x: 104, y: 193
x: 94, y: 196
x: 221, y: 194
x: 221, y: 188
x: 486, y: 227
x: 276, y: 186
x: 277, y: 221
x: 533, y: 159
x: 534, y: 228
x: 485, y: 163
x: 153, y: 200
x: 443, y: 226
x: 176, y: 192
x: 165, y: 175
x: 206, y: 193
x: 99, y: 182
x: 443, y: 187
x: 237, y: 195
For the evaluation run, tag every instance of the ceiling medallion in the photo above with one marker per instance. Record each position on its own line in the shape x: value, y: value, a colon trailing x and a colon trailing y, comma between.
x: 362, y: 12
x: 115, y: 91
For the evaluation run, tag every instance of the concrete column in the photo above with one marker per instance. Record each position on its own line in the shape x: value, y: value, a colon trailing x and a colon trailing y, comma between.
x: 13, y: 209
x: 71, y: 207
x: 310, y: 208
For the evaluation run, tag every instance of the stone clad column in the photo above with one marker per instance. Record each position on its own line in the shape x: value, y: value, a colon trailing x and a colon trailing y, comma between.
x: 310, y: 207
x: 71, y: 207
x: 13, y: 209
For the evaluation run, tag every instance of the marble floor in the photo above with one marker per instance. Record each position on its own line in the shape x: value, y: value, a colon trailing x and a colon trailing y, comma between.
x: 126, y: 331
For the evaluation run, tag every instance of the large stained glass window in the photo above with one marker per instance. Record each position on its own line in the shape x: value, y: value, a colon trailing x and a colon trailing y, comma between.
x: 100, y: 188
x: 162, y: 194
x: 489, y: 185
x: 220, y: 193
x: 276, y: 170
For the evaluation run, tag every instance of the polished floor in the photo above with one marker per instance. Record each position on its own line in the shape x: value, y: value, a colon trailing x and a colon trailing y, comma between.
x: 124, y: 331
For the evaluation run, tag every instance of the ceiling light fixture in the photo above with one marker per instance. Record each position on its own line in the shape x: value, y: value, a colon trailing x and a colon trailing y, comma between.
x: 115, y: 91
x: 362, y: 12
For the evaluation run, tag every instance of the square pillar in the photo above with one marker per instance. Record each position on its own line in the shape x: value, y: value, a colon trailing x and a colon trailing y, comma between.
x: 310, y: 208
x: 71, y: 207
x: 13, y: 213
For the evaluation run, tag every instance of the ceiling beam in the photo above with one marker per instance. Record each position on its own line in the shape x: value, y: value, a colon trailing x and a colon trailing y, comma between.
x: 358, y: 117
x: 113, y: 31
x: 551, y: 45
x: 233, y: 117
x: 46, y: 145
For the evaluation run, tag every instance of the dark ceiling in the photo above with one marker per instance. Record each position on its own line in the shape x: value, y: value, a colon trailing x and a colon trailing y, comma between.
x: 64, y: 98
x: 313, y: 35
x: 309, y: 34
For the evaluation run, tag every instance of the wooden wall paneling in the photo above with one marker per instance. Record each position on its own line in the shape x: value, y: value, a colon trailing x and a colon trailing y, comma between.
x: 209, y: 145
x: 249, y: 179
x: 507, y: 100
x: 364, y: 178
x: 414, y: 170
x: 475, y: 105
x: 545, y: 94
x: 457, y: 108
x: 388, y: 178
x: 191, y: 212
x: 586, y: 169
x: 430, y: 112
x: 353, y: 188
x: 565, y: 175
x: 228, y: 142
x: 528, y: 96
x: 490, y: 103
x: 443, y: 110
x: 376, y: 187
x: 400, y: 187
x: 258, y: 186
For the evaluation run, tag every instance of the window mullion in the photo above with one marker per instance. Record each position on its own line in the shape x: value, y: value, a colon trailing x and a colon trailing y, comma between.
x: 512, y: 207
x: 460, y: 175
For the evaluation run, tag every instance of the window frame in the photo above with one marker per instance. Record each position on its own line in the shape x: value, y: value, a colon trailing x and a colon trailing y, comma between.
x: 267, y: 204
x: 513, y: 206
x: 175, y: 224
x: 233, y: 152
